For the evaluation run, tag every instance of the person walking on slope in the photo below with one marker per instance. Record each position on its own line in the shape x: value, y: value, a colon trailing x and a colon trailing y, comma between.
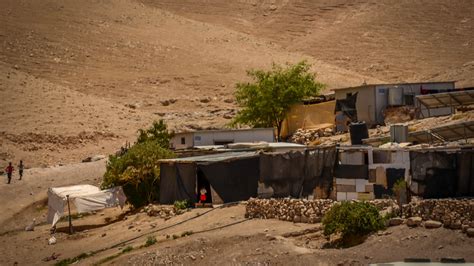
x: 20, y: 169
x: 9, y: 171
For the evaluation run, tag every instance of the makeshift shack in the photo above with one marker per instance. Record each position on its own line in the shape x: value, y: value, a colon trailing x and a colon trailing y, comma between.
x: 226, y: 177
x: 442, y: 172
x: 86, y: 198
x: 235, y: 176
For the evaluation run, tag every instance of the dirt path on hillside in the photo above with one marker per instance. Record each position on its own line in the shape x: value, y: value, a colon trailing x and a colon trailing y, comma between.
x: 25, y: 199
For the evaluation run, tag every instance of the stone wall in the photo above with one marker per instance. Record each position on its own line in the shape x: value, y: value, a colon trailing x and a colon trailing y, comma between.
x: 453, y: 213
x: 299, y: 210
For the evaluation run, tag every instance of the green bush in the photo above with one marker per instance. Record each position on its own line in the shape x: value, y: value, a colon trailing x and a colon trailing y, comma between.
x: 352, y: 219
x: 138, y: 172
x: 127, y: 249
x: 399, y: 185
x: 151, y: 240
x: 182, y: 204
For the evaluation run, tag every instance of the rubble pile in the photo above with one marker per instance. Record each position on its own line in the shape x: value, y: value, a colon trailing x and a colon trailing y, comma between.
x: 295, y: 210
x: 307, y: 136
x: 453, y: 213
x: 162, y: 211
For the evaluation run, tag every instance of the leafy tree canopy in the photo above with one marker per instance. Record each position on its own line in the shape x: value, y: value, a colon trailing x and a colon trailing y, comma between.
x: 158, y: 132
x: 266, y: 101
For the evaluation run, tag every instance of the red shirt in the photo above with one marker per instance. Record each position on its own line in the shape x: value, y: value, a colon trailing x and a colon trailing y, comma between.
x: 9, y: 169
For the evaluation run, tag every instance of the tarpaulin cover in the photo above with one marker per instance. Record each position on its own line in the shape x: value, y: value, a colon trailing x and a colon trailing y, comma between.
x: 233, y: 180
x: 348, y: 106
x: 298, y: 173
x: 177, y: 182
x: 284, y: 172
x: 86, y: 198
x: 319, y: 171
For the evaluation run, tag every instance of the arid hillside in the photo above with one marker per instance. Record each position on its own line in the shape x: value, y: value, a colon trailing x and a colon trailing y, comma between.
x: 390, y: 40
x: 79, y: 78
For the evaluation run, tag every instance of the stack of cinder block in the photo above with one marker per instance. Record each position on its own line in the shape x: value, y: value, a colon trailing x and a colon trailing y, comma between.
x: 366, y: 174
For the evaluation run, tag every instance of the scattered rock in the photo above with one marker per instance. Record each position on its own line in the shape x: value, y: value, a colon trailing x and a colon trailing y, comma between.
x: 165, y: 102
x: 432, y: 224
x: 396, y: 221
x: 456, y: 225
x: 131, y: 105
x: 470, y: 232
x: 273, y: 7
x: 229, y: 100
x: 52, y: 240
x: 414, y: 221
x: 103, y: 235
x: 205, y: 99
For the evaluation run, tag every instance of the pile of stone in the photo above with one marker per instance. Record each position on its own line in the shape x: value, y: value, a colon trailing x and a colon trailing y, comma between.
x: 162, y: 211
x: 307, y: 136
x: 295, y: 210
x: 452, y: 213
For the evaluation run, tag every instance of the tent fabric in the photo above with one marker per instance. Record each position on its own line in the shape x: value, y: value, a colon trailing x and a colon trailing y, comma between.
x: 177, y: 182
x: 233, y: 180
x: 296, y: 174
x: 86, y: 198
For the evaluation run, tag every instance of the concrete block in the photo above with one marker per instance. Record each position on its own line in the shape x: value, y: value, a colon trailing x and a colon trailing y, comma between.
x: 345, y: 188
x: 372, y: 176
x: 360, y: 185
x: 369, y: 188
x: 381, y: 176
x: 341, y: 196
x: 353, y: 157
x: 352, y: 195
x: 365, y: 196
x: 414, y: 187
x: 345, y: 181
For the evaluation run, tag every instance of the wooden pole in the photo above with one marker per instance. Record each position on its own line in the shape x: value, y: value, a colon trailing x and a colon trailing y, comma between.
x: 69, y: 216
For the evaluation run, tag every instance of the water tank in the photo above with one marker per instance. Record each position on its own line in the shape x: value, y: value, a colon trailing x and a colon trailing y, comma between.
x: 358, y: 132
x: 398, y: 133
x: 395, y: 96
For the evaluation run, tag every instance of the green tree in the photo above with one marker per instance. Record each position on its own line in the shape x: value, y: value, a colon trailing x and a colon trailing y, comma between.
x: 137, y: 169
x: 138, y: 172
x: 266, y: 101
x: 158, y: 132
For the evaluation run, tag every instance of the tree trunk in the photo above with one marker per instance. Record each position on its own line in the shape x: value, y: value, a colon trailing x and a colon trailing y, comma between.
x: 279, y: 125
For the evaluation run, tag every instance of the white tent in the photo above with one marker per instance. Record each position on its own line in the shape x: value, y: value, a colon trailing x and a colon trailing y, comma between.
x: 86, y: 198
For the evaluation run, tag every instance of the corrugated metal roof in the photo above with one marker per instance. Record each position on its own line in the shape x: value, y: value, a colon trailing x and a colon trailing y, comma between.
x: 392, y: 84
x: 213, y: 157
x: 227, y: 130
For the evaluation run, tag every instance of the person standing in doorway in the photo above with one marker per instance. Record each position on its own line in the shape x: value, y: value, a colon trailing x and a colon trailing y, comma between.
x: 9, y: 171
x: 20, y: 169
x: 202, y: 196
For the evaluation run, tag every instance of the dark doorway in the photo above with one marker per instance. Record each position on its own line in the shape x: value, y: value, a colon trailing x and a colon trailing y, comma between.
x: 202, y: 182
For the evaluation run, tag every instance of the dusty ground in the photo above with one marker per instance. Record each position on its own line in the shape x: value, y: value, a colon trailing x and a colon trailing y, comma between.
x: 253, y: 241
x: 79, y: 78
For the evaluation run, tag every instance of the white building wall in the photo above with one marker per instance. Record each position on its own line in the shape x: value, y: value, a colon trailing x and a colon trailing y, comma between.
x: 177, y: 143
x: 205, y: 138
x: 381, y: 96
